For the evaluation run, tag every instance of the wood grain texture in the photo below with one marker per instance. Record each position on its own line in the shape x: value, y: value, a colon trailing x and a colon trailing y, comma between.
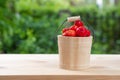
x: 46, y: 67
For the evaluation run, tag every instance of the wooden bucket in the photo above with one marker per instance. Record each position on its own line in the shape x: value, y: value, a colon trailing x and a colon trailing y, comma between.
x: 74, y: 52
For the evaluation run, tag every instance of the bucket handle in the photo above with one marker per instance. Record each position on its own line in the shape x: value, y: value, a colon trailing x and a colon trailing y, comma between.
x: 72, y: 19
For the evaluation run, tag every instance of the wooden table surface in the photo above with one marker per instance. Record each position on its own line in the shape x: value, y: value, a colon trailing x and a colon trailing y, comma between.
x: 46, y: 67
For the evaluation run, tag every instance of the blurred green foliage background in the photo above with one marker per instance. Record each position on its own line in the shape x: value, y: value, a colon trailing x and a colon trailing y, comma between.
x: 29, y: 26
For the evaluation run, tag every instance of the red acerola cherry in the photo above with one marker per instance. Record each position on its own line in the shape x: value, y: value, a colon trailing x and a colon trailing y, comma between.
x: 81, y: 32
x: 78, y: 23
x: 88, y: 33
x: 65, y: 29
x: 74, y: 27
x: 71, y: 33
